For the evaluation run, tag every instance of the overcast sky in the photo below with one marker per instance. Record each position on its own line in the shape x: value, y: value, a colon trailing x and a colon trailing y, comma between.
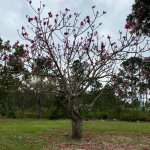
x: 13, y: 14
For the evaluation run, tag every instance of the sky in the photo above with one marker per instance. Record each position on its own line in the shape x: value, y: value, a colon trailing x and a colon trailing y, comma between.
x: 13, y: 14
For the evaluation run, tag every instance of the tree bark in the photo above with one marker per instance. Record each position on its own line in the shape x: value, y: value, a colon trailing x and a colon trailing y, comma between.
x: 75, y: 116
x: 77, y: 129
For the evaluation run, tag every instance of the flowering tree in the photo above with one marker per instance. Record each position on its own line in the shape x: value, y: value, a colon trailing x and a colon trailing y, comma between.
x: 139, y: 19
x: 131, y: 82
x: 70, y: 52
x: 10, y: 63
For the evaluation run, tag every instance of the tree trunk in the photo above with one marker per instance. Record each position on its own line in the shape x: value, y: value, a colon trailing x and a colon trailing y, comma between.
x: 77, y: 129
x: 75, y: 116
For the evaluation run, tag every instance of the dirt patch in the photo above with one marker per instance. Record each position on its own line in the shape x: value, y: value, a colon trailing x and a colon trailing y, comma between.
x: 60, y: 140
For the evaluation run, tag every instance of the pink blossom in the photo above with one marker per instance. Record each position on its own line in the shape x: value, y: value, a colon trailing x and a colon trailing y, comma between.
x: 24, y: 34
x: 30, y: 19
x: 10, y: 55
x: 138, y: 14
x: 133, y: 30
x: 15, y: 45
x: 82, y: 23
x: 127, y: 26
x: 108, y: 37
x: 88, y: 19
x: 55, y: 20
x: 6, y: 57
x: 22, y: 28
x: 44, y: 23
x: 104, y: 12
x: 95, y: 33
x: 89, y: 40
x: 50, y: 14
x: 26, y: 53
x: 66, y: 33
x: 102, y: 46
x: 29, y: 1
x: 67, y: 9
x: 35, y: 18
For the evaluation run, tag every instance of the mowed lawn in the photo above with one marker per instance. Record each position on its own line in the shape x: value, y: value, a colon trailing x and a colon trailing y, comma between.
x: 55, y: 135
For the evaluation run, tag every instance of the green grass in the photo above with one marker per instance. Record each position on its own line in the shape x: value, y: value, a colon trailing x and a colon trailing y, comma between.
x: 117, y: 127
x: 46, y: 134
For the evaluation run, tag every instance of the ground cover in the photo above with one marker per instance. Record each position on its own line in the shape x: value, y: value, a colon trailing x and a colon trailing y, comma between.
x: 55, y: 135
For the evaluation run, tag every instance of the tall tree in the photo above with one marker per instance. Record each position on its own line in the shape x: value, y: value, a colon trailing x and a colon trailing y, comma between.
x: 9, y: 82
x: 139, y: 19
x: 131, y: 81
x: 73, y: 54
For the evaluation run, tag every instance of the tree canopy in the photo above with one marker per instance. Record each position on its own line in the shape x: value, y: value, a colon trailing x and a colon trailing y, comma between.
x: 139, y: 19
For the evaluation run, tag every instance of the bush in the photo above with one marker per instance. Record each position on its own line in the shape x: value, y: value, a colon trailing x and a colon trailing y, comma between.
x: 46, y: 113
x: 135, y: 116
x: 88, y: 115
x: 56, y: 113
x: 101, y: 115
x: 26, y: 114
x: 19, y: 114
x: 7, y: 111
x: 52, y: 113
x: 132, y: 115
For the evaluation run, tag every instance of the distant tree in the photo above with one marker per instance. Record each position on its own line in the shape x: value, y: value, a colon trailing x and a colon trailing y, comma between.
x: 139, y: 19
x: 146, y: 74
x: 108, y: 100
x: 8, y: 81
x: 146, y: 69
x: 131, y: 83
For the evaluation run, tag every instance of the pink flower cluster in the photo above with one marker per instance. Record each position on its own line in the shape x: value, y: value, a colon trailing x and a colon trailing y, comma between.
x: 26, y: 53
x: 128, y: 26
x: 6, y: 57
x: 15, y: 45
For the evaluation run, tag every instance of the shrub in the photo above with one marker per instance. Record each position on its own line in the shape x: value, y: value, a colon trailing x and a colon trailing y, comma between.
x: 56, y: 113
x: 94, y: 115
x: 26, y: 114
x: 135, y: 116
x: 101, y: 115
x: 130, y: 115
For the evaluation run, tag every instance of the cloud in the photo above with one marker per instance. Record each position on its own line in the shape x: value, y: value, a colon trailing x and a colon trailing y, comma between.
x: 13, y: 14
x: 11, y: 18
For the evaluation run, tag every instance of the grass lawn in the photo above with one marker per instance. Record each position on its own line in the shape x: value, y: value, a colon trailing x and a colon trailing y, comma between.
x: 55, y: 135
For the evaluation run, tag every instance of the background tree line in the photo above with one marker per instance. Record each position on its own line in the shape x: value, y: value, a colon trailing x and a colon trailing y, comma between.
x: 28, y: 97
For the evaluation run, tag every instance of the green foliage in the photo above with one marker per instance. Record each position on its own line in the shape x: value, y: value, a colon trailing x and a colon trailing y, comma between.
x: 26, y: 114
x: 139, y: 18
x: 134, y: 116
x: 56, y: 113
x: 132, y: 79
